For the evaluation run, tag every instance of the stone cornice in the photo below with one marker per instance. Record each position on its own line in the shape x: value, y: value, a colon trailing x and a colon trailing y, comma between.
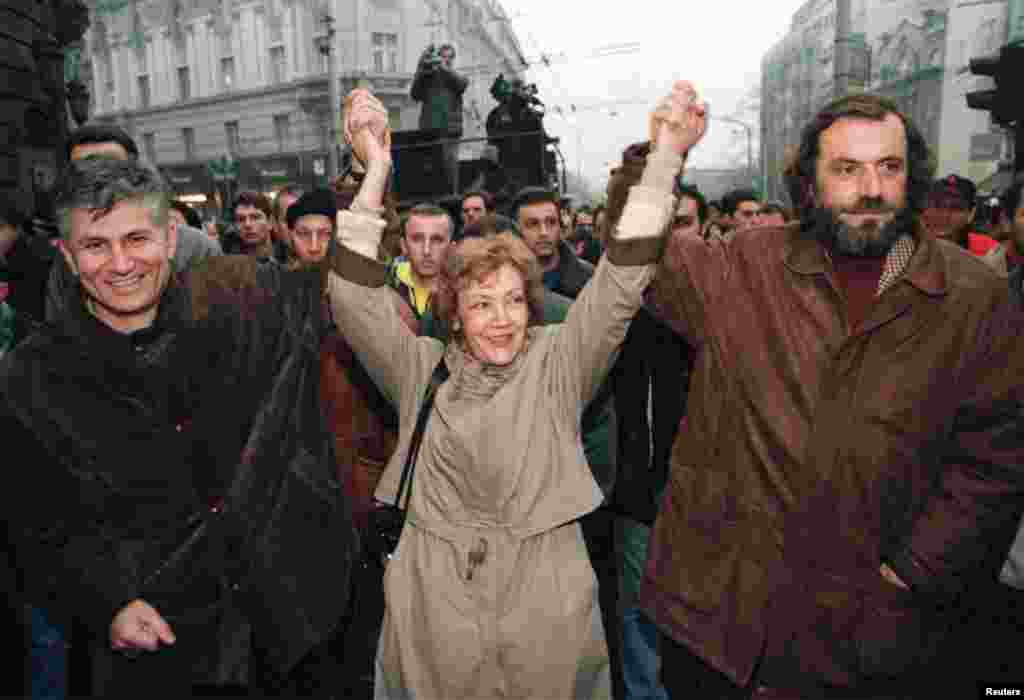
x: 304, y: 88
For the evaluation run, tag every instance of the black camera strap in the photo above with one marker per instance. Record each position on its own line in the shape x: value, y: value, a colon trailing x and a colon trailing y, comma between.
x: 436, y: 380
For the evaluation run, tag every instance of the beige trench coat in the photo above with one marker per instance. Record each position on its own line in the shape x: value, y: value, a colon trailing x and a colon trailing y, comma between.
x: 501, y: 474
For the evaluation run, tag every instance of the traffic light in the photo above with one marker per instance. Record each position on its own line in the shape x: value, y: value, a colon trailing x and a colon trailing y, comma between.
x: 1005, y: 102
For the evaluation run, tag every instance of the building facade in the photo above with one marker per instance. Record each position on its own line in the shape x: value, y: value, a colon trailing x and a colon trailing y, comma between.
x: 915, y: 52
x: 34, y: 41
x: 197, y: 81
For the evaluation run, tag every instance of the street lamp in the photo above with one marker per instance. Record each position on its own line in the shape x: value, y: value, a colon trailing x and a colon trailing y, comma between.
x: 325, y: 45
x: 750, y: 140
x: 750, y: 145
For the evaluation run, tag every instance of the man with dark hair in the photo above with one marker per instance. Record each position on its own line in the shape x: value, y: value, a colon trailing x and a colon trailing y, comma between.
x: 100, y: 141
x: 539, y: 214
x: 254, y: 216
x: 691, y: 212
x: 1008, y: 258
x: 847, y: 468
x: 310, y: 225
x: 475, y: 205
x: 949, y: 214
x: 173, y: 505
x: 426, y: 234
x: 741, y: 209
x: 109, y: 141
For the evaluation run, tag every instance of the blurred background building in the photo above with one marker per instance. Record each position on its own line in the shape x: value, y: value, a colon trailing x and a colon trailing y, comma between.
x: 35, y: 37
x: 913, y: 51
x: 214, y: 89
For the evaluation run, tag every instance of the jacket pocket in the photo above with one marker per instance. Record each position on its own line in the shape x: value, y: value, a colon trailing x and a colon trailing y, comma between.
x: 896, y: 634
x: 852, y: 630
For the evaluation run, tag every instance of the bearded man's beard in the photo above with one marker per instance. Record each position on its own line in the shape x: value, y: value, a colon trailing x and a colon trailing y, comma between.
x: 870, y: 239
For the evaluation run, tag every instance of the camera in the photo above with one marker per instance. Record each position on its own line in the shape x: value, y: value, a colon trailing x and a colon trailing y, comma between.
x: 432, y: 57
x: 382, y: 533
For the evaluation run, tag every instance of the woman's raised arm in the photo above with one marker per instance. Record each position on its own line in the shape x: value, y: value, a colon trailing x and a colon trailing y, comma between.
x: 362, y: 304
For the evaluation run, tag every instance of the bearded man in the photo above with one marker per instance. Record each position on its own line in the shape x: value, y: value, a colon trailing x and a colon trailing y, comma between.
x: 849, y: 463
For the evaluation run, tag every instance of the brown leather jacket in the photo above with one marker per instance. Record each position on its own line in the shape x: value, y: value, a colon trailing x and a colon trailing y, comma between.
x: 363, y: 424
x: 814, y: 454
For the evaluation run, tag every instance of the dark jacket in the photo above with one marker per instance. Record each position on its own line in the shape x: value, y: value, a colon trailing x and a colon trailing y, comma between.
x: 187, y: 465
x: 813, y: 454
x: 1017, y: 285
x: 573, y: 273
x: 440, y: 90
x: 651, y: 380
x: 28, y: 265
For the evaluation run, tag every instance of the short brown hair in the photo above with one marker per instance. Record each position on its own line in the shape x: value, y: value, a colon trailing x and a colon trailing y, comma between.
x: 428, y: 210
x: 801, y: 170
x: 473, y: 259
x: 257, y: 200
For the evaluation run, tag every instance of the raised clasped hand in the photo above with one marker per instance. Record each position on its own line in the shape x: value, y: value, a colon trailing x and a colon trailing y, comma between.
x: 679, y: 120
x: 366, y: 128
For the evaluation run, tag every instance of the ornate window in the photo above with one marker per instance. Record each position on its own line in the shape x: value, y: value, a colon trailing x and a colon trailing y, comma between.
x: 385, y: 52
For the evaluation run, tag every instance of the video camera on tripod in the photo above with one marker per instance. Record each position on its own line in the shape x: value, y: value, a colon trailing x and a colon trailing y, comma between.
x: 431, y: 59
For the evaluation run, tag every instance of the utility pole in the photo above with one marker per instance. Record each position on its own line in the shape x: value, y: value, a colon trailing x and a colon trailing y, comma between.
x: 750, y: 141
x: 841, y: 57
x: 327, y: 48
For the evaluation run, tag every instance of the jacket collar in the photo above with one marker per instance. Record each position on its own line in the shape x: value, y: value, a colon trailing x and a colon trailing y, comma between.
x: 574, y: 273
x: 927, y: 269
x: 74, y: 318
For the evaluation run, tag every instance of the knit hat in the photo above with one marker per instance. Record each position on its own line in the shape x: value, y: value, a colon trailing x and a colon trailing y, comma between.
x: 321, y: 201
x: 953, y: 192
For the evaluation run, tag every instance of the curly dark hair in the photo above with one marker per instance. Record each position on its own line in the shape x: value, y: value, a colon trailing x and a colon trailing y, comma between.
x: 257, y: 200
x: 800, y: 171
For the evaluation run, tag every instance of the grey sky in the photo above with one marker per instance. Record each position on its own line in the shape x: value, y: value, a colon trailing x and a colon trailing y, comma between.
x: 718, y: 44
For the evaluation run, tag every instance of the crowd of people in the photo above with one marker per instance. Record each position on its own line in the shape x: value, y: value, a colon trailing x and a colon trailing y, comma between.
x: 663, y: 447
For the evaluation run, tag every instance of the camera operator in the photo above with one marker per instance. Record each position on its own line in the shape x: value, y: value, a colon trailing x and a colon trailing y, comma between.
x: 439, y: 88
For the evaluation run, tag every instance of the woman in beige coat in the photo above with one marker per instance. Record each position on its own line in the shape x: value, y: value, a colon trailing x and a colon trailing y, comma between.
x: 490, y: 592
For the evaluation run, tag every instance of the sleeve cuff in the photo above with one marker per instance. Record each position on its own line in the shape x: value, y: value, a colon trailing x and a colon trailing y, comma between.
x: 661, y: 169
x: 358, y: 268
x: 640, y: 235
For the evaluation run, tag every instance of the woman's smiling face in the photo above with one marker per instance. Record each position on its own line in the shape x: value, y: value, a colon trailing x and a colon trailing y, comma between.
x: 494, y: 314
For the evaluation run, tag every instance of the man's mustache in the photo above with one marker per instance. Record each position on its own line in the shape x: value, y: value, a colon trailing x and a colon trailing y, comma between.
x: 870, y: 205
